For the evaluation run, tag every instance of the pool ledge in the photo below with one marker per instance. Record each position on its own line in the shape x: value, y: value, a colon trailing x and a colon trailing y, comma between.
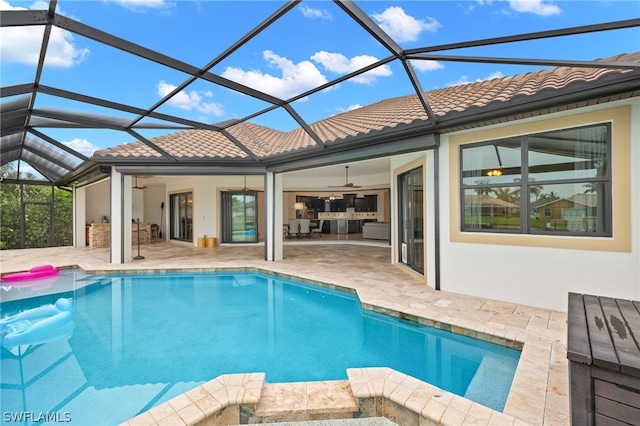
x: 216, y: 402
x: 369, y: 392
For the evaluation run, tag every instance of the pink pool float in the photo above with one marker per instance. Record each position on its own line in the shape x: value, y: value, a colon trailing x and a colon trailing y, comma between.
x: 42, y: 271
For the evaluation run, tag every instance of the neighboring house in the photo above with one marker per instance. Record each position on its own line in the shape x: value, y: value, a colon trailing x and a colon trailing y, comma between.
x: 577, y: 213
x: 551, y: 131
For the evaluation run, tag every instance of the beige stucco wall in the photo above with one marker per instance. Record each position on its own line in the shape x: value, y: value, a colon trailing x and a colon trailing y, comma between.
x: 540, y: 270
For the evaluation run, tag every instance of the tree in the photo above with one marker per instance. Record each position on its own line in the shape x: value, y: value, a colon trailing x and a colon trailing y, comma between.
x: 591, y: 188
x: 26, y: 213
x: 551, y: 196
x: 483, y: 191
x: 507, y: 194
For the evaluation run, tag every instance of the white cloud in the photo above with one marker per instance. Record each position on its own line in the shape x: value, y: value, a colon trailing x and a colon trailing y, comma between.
x: 83, y: 146
x: 426, y: 65
x: 22, y: 44
x: 340, y: 64
x: 402, y: 27
x: 538, y: 7
x: 192, y: 100
x: 136, y: 5
x: 465, y: 79
x: 349, y: 108
x: 310, y: 12
x: 292, y: 80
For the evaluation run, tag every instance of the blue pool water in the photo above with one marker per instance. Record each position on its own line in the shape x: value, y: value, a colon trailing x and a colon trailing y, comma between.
x: 142, y: 339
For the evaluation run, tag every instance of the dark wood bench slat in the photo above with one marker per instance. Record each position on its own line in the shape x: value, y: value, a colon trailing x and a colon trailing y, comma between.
x: 622, y: 330
x: 617, y: 411
x: 608, y: 421
x: 602, y: 350
x: 626, y: 349
x: 578, y: 346
x: 621, y: 394
x: 631, y: 314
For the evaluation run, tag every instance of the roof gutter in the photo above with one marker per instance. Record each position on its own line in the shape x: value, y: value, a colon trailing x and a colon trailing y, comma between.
x: 523, y: 105
x: 383, y: 144
x: 191, y: 170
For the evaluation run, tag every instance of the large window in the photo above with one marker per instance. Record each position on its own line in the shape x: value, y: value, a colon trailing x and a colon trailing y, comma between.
x: 411, y: 232
x: 240, y: 217
x: 556, y: 182
x: 181, y: 216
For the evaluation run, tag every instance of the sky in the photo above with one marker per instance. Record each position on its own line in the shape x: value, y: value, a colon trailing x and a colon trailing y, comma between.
x: 312, y: 44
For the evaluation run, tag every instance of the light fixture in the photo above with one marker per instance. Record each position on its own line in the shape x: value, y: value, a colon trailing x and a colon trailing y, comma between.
x: 136, y: 185
x: 498, y: 171
x: 298, y: 206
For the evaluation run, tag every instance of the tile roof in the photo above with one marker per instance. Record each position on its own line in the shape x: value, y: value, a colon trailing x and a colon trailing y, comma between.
x: 461, y: 100
x: 187, y: 144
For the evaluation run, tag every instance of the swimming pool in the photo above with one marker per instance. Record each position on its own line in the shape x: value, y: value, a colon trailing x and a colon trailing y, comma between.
x: 141, y: 339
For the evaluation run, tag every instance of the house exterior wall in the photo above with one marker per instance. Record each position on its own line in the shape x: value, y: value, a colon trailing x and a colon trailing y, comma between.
x: 206, y: 201
x: 540, y: 270
x: 154, y: 196
x: 97, y: 201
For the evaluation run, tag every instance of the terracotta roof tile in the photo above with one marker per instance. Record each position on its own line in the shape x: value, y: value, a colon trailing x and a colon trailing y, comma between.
x: 386, y: 114
x: 193, y: 143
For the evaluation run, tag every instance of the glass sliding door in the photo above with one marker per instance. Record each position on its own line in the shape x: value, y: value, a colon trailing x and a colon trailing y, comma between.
x: 239, y: 217
x: 412, y: 219
x: 181, y: 216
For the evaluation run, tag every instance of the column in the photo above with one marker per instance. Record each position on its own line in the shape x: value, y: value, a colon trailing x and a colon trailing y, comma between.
x: 79, y: 217
x: 273, y: 201
x: 121, y: 205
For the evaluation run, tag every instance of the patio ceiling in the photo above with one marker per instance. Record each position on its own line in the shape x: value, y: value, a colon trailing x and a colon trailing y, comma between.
x: 27, y: 120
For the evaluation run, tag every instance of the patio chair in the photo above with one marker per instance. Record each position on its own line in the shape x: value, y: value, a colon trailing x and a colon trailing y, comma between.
x: 318, y: 230
x: 304, y: 228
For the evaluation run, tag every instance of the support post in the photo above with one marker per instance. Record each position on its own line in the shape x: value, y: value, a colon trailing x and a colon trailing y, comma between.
x: 273, y: 207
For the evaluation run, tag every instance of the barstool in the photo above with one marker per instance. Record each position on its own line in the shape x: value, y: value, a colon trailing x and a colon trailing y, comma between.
x: 155, y: 232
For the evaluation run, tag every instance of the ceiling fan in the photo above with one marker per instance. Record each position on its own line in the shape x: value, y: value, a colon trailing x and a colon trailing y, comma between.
x: 136, y: 185
x: 244, y: 188
x: 347, y: 183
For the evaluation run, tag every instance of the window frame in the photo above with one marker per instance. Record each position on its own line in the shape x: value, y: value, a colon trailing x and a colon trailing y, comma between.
x: 525, y: 185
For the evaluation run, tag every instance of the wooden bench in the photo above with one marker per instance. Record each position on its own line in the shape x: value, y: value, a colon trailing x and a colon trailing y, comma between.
x: 604, y: 360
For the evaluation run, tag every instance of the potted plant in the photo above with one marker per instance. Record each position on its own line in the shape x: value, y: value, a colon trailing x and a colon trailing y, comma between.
x: 105, y: 219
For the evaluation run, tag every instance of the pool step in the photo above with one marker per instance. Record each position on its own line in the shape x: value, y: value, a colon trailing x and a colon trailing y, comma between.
x: 306, y: 401
x: 369, y: 421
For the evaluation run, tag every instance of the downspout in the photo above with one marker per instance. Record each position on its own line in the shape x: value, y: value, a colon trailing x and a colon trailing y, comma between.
x: 267, y: 236
x: 436, y: 213
x: 122, y: 215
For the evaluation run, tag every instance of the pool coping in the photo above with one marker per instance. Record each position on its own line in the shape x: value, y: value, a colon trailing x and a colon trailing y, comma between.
x: 527, y: 399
